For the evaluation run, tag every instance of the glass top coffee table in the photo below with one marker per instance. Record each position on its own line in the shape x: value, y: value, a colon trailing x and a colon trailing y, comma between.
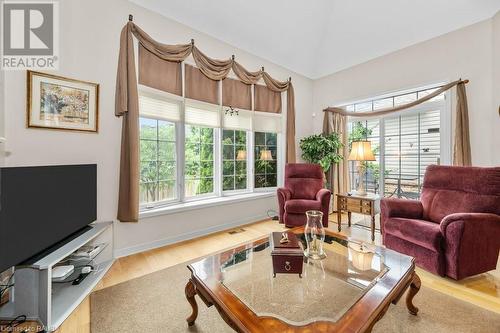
x: 349, y: 290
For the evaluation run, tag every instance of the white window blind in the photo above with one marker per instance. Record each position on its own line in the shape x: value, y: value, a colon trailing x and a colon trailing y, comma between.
x: 202, y: 115
x: 152, y: 106
x: 263, y: 122
x: 241, y: 121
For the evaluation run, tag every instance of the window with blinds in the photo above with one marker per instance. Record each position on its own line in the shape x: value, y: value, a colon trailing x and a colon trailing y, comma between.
x: 158, y: 157
x: 192, y: 150
x: 201, y: 121
x: 403, y: 145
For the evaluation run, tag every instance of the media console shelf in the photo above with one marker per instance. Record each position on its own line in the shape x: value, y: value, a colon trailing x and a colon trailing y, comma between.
x: 36, y: 296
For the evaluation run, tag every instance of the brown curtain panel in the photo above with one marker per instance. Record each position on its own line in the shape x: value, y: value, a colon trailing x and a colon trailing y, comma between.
x: 267, y: 100
x: 461, y: 147
x: 198, y: 86
x: 290, y: 124
x: 236, y: 94
x: 127, y: 100
x: 338, y: 174
x: 127, y: 107
x: 160, y: 74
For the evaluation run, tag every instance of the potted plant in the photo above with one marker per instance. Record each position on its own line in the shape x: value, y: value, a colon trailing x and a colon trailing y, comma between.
x: 321, y: 149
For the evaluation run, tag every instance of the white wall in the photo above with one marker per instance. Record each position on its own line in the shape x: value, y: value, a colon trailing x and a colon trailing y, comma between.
x: 89, y: 40
x: 465, y: 53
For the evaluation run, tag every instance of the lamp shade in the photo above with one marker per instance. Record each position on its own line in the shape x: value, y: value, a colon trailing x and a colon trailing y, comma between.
x: 361, y: 151
x: 361, y: 257
x: 242, y: 155
x: 265, y: 155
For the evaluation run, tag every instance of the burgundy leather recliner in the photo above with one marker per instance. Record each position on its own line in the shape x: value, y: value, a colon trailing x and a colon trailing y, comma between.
x: 303, y: 191
x: 454, y: 230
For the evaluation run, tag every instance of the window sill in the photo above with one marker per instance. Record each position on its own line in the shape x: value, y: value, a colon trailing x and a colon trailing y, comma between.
x: 212, y: 202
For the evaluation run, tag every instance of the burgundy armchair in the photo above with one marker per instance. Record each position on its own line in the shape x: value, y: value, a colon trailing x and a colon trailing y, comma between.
x: 303, y: 191
x: 454, y: 230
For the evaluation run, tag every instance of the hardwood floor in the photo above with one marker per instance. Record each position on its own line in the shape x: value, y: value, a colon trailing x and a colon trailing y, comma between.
x: 482, y: 290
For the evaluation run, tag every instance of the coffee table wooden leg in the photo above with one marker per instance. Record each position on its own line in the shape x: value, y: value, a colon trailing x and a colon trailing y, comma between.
x: 190, y: 293
x: 349, y: 219
x: 412, y: 291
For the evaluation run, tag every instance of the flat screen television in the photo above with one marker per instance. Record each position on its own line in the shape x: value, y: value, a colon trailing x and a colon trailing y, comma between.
x: 42, y: 207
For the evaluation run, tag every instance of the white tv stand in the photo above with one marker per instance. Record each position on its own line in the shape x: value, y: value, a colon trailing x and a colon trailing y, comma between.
x: 36, y: 296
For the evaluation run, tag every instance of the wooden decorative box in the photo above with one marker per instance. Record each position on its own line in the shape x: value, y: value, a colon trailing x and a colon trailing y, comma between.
x: 288, y: 258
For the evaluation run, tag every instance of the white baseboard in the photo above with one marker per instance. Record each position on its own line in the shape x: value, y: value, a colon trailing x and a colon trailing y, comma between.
x: 187, y: 236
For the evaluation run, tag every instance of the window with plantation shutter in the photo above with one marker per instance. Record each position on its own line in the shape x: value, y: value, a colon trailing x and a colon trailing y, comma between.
x: 403, y: 145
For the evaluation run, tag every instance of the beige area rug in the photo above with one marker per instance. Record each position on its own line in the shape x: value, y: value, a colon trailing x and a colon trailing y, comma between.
x: 156, y: 303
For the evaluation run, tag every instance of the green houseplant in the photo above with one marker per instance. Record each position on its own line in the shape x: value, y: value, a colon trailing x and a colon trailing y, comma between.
x: 321, y: 149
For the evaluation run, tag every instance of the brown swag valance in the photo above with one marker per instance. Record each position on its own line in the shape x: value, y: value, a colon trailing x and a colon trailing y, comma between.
x: 127, y: 103
x: 236, y: 94
x: 200, y: 87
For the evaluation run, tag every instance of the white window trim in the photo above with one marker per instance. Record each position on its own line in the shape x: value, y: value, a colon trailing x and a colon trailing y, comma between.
x: 204, y: 203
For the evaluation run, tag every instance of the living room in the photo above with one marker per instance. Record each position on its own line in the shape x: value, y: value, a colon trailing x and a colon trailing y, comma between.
x: 188, y: 134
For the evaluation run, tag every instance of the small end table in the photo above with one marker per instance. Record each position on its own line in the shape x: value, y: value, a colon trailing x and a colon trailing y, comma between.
x: 362, y: 204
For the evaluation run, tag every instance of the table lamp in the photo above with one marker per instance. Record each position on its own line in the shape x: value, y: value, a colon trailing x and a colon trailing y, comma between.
x: 242, y: 155
x: 265, y: 155
x: 361, y: 151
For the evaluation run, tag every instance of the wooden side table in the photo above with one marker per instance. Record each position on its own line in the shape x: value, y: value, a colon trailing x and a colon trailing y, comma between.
x: 368, y: 205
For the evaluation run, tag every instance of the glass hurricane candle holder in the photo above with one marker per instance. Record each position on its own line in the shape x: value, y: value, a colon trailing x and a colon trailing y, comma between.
x: 315, y: 235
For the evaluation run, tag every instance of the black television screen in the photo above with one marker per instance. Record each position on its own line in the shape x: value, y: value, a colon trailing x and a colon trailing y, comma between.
x: 42, y: 206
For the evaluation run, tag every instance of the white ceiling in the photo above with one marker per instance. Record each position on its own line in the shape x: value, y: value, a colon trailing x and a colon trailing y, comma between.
x: 319, y: 37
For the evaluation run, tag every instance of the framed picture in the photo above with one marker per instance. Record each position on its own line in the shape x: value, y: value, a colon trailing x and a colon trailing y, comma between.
x: 57, y: 102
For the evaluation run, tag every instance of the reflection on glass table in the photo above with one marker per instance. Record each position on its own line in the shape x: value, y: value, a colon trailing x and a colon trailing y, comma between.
x: 328, y: 288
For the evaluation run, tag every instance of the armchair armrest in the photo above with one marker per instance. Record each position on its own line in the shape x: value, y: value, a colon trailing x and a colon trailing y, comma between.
x: 392, y: 207
x: 471, y: 243
x: 469, y: 219
x: 323, y: 194
x: 284, y: 194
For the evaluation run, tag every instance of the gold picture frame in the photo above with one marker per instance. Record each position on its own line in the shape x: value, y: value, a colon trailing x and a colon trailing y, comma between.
x: 60, y: 103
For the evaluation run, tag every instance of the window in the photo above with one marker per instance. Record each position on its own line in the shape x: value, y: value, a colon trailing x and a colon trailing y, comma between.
x: 190, y: 150
x: 234, y: 160
x: 403, y: 145
x: 158, y: 160
x: 199, y: 159
x: 158, y: 157
x: 266, y: 152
